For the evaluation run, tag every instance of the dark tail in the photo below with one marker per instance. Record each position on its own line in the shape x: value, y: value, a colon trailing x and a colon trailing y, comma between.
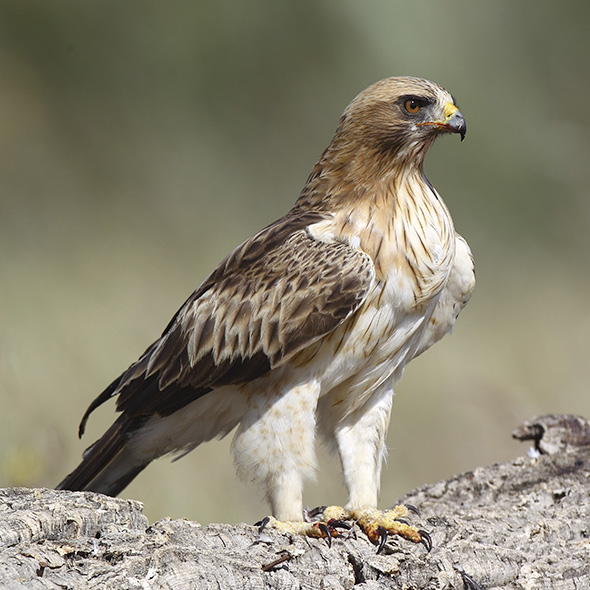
x: 107, y: 466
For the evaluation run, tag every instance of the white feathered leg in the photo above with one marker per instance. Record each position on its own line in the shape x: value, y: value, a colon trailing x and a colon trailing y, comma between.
x: 274, y: 446
x: 360, y: 440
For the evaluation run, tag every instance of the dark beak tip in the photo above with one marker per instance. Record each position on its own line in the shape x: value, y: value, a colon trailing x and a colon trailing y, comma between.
x: 461, y: 128
x: 458, y: 125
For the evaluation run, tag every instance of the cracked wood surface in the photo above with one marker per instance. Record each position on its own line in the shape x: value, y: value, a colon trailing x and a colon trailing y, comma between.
x: 518, y: 525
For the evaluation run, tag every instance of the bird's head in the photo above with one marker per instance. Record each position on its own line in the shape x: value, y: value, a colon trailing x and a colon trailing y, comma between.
x: 401, y: 117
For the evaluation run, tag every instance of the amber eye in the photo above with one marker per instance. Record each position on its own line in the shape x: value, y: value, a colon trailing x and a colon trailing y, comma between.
x: 412, y: 106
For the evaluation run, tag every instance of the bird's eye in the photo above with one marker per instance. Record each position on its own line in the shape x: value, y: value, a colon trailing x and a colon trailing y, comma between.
x: 412, y: 106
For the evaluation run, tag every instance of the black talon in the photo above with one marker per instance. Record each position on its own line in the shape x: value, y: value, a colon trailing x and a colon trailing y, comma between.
x: 426, y: 540
x: 383, y: 534
x: 324, y: 528
x: 340, y: 524
x: 403, y: 521
x: 262, y: 523
x: 317, y: 511
x: 413, y: 509
x: 336, y: 524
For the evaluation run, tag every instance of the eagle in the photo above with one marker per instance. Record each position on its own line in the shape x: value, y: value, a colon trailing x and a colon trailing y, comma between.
x: 305, y: 327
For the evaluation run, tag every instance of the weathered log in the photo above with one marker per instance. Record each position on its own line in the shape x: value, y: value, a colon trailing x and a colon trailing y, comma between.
x: 518, y: 525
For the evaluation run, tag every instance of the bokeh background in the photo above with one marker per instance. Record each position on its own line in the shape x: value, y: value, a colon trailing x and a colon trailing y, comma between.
x: 141, y: 141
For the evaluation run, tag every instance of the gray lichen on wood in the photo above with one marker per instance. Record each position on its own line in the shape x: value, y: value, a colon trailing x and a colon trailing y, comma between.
x: 518, y: 525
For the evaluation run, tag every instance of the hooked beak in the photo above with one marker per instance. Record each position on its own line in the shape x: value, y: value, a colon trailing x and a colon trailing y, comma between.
x: 453, y: 121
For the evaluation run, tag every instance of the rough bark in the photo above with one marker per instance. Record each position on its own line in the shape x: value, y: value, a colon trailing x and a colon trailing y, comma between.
x: 518, y: 525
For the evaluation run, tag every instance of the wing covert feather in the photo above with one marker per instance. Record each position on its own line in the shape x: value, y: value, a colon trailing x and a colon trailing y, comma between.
x: 273, y: 296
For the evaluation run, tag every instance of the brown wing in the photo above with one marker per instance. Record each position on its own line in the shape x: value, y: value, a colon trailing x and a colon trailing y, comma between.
x: 270, y: 298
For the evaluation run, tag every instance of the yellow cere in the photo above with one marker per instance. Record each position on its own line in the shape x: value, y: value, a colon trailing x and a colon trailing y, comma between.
x: 450, y: 110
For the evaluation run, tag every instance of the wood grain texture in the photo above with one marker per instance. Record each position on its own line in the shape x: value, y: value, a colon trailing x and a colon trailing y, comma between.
x: 512, y: 526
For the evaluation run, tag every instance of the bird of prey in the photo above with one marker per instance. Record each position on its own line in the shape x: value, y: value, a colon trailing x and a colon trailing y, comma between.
x: 305, y: 327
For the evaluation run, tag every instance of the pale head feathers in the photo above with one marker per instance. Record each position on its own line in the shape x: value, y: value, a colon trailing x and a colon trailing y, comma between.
x: 378, y: 141
x: 377, y: 118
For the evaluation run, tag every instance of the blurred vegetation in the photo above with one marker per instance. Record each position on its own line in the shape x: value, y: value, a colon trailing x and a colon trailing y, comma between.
x: 140, y: 142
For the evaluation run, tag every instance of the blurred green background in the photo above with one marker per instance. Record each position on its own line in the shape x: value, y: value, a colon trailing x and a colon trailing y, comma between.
x: 141, y: 141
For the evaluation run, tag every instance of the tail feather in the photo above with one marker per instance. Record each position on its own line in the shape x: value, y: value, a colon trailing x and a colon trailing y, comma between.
x: 107, y: 466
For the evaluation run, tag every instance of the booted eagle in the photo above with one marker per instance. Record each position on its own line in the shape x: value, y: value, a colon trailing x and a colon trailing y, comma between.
x: 305, y: 327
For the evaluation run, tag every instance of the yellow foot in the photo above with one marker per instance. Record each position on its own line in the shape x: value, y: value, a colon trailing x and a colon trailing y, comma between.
x: 376, y: 524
